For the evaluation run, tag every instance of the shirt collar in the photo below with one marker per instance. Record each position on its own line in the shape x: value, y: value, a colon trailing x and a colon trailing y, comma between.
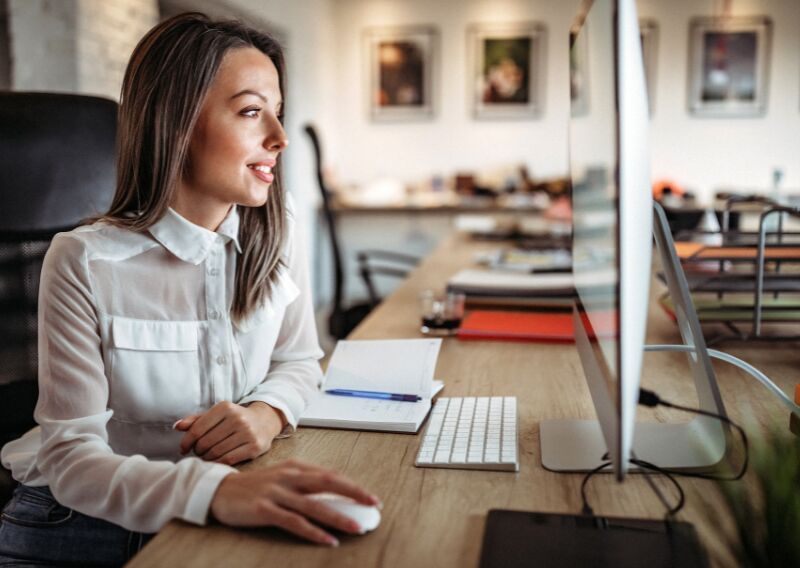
x: 192, y: 243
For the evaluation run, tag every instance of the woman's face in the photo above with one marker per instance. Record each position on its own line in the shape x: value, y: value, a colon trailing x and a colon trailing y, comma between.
x: 236, y: 141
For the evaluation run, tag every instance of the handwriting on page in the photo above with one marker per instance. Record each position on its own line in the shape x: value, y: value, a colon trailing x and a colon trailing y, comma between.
x: 387, y: 410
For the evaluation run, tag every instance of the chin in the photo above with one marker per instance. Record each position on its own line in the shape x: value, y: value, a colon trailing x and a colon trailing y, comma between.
x: 255, y: 199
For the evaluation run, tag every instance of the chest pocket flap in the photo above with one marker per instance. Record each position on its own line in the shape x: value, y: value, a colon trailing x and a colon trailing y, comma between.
x: 153, y: 335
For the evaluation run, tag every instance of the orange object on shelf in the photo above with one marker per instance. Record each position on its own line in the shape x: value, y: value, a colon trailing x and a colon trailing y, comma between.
x: 661, y: 185
x: 527, y: 326
x: 517, y: 326
x: 693, y: 250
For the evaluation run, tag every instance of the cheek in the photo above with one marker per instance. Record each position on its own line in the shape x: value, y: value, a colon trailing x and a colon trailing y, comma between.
x: 217, y: 149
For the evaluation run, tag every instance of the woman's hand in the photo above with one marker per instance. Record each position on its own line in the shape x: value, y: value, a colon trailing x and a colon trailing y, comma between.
x: 230, y: 433
x: 276, y: 496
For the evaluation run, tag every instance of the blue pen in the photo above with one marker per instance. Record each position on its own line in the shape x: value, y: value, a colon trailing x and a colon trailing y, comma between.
x: 374, y: 394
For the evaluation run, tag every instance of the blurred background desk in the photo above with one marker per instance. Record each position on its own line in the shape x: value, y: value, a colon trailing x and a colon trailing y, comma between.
x: 412, y: 227
x: 436, y: 517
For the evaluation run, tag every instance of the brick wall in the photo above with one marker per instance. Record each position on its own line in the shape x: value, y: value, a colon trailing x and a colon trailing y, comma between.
x: 79, y: 46
x: 108, y: 30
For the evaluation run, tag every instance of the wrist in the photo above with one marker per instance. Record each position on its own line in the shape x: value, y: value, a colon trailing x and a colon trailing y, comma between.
x: 260, y: 406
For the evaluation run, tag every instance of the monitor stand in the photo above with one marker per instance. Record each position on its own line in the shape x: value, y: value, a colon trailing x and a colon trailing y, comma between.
x: 579, y: 445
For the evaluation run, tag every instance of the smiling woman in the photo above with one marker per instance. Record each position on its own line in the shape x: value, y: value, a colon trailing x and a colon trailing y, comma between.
x: 179, y: 322
x: 236, y: 141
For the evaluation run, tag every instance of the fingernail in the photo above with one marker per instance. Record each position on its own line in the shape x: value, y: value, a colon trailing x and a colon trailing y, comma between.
x: 354, y: 527
x: 332, y: 541
x: 376, y: 502
x: 176, y: 424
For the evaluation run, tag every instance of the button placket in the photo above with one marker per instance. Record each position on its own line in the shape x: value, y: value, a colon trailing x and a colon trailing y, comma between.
x: 217, y: 323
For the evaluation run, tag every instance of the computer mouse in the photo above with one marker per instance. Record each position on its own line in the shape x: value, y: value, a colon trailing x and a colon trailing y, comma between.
x: 367, y: 516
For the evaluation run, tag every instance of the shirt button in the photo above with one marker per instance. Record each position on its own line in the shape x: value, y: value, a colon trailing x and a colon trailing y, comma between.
x: 214, y: 272
x: 214, y: 314
x: 222, y: 359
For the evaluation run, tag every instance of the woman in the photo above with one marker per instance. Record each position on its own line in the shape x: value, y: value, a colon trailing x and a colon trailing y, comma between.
x: 178, y: 322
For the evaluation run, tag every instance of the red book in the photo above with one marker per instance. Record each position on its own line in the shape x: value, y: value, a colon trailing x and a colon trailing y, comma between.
x: 518, y: 326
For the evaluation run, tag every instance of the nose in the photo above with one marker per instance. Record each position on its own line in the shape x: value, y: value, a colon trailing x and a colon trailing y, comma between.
x: 275, y: 140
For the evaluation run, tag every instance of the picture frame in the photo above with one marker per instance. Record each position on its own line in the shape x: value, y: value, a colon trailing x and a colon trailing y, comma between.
x: 729, y: 66
x: 506, y: 70
x: 648, y: 33
x: 402, y: 65
x: 579, y: 74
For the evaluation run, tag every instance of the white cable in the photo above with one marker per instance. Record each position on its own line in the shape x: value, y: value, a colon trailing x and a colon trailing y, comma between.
x: 745, y: 366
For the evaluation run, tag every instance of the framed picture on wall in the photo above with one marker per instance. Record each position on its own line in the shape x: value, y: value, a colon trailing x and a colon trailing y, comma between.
x: 401, y: 63
x: 729, y: 61
x: 506, y: 70
x: 579, y: 74
x: 648, y: 31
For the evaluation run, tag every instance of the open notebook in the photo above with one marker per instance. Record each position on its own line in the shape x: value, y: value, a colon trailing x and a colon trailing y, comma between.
x: 385, y: 365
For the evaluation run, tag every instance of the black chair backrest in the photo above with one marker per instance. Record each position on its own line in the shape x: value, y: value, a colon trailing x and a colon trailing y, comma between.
x: 330, y: 219
x: 57, y: 167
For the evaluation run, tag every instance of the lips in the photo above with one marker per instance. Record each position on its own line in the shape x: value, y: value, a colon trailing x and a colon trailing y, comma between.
x: 263, y: 170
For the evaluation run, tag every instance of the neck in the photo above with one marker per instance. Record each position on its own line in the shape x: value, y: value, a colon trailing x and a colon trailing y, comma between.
x: 200, y: 210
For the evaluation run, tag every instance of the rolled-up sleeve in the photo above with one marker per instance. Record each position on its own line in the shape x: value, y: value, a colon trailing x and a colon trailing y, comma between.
x: 294, y: 373
x: 75, y: 458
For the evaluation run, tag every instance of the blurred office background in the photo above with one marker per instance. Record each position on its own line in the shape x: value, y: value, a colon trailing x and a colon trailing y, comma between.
x: 82, y: 46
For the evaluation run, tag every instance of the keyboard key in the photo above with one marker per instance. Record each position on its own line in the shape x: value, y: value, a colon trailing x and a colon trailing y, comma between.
x: 471, y: 433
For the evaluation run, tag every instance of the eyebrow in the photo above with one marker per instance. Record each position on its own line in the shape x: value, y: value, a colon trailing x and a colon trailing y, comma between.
x: 250, y: 92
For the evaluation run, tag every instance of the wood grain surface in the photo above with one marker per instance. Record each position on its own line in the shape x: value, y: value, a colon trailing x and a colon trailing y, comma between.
x: 435, y: 517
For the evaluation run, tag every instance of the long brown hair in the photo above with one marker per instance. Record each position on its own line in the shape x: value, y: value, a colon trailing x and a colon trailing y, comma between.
x: 165, y: 84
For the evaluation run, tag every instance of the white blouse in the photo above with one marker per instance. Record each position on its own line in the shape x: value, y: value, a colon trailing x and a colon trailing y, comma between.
x: 134, y: 334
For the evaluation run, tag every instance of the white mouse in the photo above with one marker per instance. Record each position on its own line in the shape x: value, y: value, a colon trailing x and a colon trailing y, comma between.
x: 367, y: 516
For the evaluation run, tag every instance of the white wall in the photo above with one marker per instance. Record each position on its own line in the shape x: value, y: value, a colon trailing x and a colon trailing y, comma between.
x: 361, y: 150
x: 75, y: 45
x: 43, y: 46
x: 702, y: 154
x: 707, y: 153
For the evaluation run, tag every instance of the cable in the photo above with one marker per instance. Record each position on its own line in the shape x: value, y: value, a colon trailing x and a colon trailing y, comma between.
x: 587, y: 509
x: 671, y: 510
x: 744, y: 365
x: 651, y: 399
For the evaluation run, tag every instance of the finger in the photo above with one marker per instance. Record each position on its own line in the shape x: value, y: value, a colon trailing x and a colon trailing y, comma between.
x: 317, y: 510
x: 185, y: 423
x: 298, y: 525
x: 328, y: 481
x: 218, y: 434
x: 243, y: 452
x: 202, y: 425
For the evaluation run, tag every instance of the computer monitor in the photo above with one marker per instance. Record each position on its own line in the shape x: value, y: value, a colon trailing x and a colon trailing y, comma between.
x: 612, y: 243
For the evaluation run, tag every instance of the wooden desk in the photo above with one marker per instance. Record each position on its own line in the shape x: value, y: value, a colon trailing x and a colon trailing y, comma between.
x: 436, y: 517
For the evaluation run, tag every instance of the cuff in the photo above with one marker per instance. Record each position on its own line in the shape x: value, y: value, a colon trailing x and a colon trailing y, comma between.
x: 199, y: 503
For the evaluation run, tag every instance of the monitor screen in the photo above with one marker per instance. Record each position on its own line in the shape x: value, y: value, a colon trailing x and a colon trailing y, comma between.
x: 594, y: 149
x: 612, y: 219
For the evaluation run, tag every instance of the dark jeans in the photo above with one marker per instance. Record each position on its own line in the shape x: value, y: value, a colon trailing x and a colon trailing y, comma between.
x: 36, y: 530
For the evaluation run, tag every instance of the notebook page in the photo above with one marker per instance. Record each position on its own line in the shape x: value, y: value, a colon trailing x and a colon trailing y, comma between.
x: 404, y: 366
x: 369, y: 410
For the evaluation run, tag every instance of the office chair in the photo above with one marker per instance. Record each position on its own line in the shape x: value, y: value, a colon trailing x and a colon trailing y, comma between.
x: 343, y: 319
x: 57, y: 167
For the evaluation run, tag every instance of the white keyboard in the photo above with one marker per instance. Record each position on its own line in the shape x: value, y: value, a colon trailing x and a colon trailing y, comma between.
x: 471, y: 433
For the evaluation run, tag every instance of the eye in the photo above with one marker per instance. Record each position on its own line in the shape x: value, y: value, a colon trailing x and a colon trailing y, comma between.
x: 251, y: 112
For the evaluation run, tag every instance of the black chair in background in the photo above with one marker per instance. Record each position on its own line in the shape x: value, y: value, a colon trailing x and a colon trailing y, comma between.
x: 343, y: 319
x: 57, y: 167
